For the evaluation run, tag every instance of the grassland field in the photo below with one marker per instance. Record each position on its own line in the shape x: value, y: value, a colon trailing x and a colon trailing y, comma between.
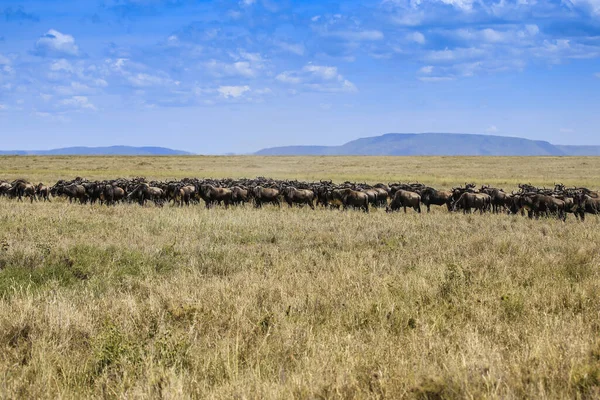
x: 147, y: 302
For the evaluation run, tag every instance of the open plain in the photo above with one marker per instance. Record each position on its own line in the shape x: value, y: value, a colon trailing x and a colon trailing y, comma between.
x: 171, y: 302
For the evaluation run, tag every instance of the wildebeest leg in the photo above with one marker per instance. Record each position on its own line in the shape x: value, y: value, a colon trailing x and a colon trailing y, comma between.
x: 418, y: 208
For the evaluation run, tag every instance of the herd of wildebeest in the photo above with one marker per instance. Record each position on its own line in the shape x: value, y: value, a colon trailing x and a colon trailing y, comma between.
x: 536, y: 202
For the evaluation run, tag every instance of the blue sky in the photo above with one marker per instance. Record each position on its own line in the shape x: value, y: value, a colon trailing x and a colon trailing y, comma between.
x: 235, y: 76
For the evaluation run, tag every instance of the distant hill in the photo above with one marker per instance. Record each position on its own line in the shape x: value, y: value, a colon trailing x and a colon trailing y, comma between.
x: 580, y: 150
x: 101, y: 151
x: 438, y: 144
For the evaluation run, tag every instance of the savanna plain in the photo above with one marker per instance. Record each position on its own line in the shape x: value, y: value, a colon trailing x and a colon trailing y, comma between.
x: 147, y: 302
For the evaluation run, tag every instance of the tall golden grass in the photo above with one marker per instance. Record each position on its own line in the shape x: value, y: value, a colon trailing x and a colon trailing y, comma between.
x: 170, y: 302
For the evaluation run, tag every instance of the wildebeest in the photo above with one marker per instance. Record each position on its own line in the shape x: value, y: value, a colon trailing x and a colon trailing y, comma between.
x: 467, y: 201
x: 182, y: 194
x: 351, y: 198
x: 144, y: 192
x: 404, y: 199
x: 4, y: 188
x: 265, y: 195
x: 431, y: 196
x: 542, y: 205
x: 383, y: 193
x: 111, y: 194
x: 74, y: 192
x: 240, y: 195
x: 43, y: 192
x: 20, y: 189
x: 586, y: 204
x: 211, y: 195
x: 291, y: 195
x: 498, y: 198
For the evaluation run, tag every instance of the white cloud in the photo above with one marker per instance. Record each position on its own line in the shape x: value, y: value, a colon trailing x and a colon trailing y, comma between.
x: 417, y: 37
x: 74, y: 88
x: 319, y: 78
x: 239, y: 68
x: 78, y: 102
x: 4, y: 60
x: 233, y: 91
x: 532, y: 29
x: 252, y: 57
x: 58, y: 117
x: 61, y: 65
x: 492, y: 129
x: 247, y: 65
x: 288, y: 77
x: 348, y: 86
x: 324, y: 72
x: 2, y: 107
x: 355, y: 36
x: 465, y: 5
x: 56, y: 44
x: 491, y: 35
x: 263, y: 92
x: 454, y: 55
x: 428, y: 69
x: 293, y: 48
x: 434, y: 79
x: 597, y: 75
x: 145, y: 80
x: 593, y: 5
x: 247, y: 3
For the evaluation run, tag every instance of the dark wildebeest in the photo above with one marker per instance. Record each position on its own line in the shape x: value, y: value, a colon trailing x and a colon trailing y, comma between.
x: 351, y: 198
x: 20, y: 189
x: 265, y: 195
x: 431, y: 196
x: 183, y: 194
x: 498, y: 198
x: 542, y: 205
x: 211, y: 194
x: 383, y: 193
x: 43, y: 192
x: 5, y: 188
x: 373, y: 195
x: 111, y: 194
x: 403, y: 199
x: 292, y: 195
x: 586, y: 204
x: 240, y: 195
x: 74, y: 191
x: 144, y: 192
x: 468, y: 201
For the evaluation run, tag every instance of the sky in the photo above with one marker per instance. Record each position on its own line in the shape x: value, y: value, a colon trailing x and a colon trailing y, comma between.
x: 216, y: 77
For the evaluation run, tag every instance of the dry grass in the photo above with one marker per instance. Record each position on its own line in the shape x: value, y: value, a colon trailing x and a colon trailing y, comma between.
x: 438, y: 171
x: 178, y: 303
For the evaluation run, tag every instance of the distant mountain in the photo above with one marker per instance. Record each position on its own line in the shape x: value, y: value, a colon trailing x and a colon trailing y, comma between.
x: 101, y: 151
x: 580, y: 150
x: 437, y: 144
